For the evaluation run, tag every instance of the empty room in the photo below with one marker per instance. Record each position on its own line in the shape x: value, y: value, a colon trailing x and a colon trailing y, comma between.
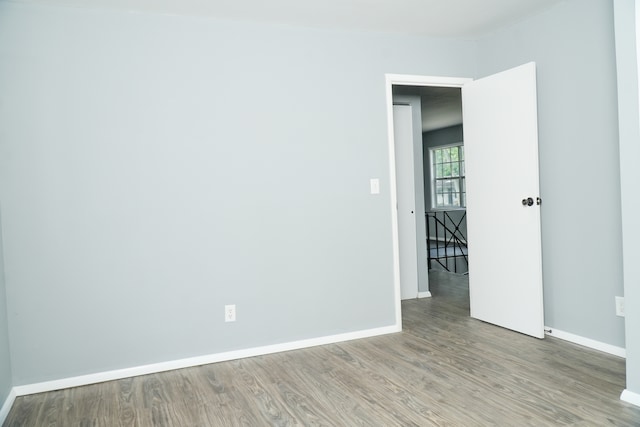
x: 207, y: 215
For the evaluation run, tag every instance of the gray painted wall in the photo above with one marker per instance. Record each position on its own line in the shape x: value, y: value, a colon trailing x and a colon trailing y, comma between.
x: 448, y: 135
x: 573, y: 46
x: 6, y: 381
x: 628, y: 112
x: 141, y: 193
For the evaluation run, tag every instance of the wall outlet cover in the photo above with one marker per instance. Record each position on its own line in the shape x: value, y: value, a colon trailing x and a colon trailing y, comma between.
x: 230, y: 313
x: 620, y: 306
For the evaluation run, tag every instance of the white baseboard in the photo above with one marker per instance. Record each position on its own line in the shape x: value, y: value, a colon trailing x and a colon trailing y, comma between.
x: 425, y: 294
x: 197, y: 361
x: 630, y: 397
x: 6, y: 407
x: 586, y: 342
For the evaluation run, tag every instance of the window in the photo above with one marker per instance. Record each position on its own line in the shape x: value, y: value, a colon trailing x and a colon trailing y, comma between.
x: 448, y: 188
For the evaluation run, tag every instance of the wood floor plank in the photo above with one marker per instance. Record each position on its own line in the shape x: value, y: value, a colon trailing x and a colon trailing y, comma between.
x: 435, y: 385
x: 303, y: 398
x: 319, y: 374
x: 444, y: 369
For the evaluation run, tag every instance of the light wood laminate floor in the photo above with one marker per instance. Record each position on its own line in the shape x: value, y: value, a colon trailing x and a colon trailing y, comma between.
x: 445, y: 369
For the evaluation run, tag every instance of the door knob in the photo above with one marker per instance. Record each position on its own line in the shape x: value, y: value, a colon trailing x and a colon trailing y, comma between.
x: 527, y: 202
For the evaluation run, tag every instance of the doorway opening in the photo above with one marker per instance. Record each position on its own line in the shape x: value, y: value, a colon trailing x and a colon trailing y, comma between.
x: 434, y: 201
x: 433, y: 142
x: 441, y: 151
x: 500, y: 183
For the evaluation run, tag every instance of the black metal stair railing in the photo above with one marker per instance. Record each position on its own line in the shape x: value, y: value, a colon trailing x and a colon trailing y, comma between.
x: 446, y: 241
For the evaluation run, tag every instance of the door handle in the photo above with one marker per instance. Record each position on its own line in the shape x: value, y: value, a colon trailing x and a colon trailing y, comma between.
x: 527, y: 202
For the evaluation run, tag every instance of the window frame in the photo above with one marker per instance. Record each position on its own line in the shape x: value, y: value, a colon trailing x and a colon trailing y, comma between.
x: 433, y: 179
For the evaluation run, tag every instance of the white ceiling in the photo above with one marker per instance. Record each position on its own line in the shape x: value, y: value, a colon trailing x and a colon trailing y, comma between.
x: 441, y: 106
x: 439, y: 18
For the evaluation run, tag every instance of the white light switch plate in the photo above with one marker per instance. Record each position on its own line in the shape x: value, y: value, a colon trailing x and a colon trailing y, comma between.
x: 375, y: 185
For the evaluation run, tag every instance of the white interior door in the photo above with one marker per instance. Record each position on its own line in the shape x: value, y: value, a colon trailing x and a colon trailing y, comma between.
x: 405, y: 180
x: 501, y: 156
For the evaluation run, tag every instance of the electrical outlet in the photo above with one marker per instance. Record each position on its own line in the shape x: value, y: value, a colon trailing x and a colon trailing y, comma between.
x: 620, y: 306
x: 230, y: 313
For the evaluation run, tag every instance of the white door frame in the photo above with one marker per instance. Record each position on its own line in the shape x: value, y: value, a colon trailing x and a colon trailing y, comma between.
x: 405, y: 80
